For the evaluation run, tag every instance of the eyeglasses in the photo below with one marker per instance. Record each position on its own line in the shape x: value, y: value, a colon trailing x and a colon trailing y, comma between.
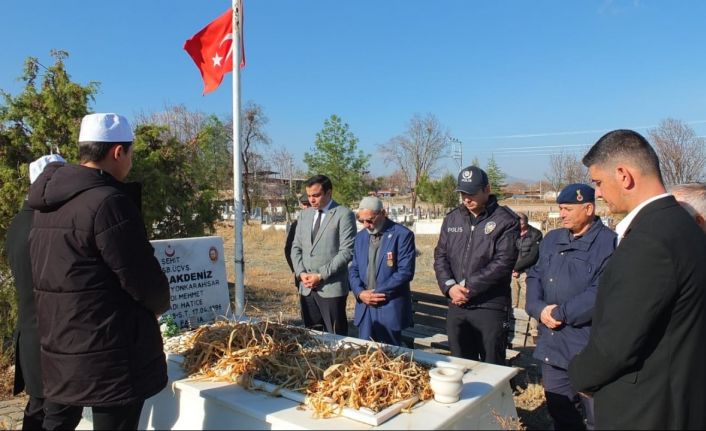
x: 370, y: 220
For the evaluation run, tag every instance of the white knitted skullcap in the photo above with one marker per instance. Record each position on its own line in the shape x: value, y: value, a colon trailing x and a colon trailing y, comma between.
x: 37, y: 166
x: 370, y: 203
x: 105, y: 128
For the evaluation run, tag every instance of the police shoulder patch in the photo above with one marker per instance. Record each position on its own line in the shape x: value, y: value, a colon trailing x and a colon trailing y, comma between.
x: 489, y: 227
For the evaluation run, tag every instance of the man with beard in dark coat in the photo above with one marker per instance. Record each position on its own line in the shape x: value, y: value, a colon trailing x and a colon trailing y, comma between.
x: 98, y: 286
x: 38, y: 413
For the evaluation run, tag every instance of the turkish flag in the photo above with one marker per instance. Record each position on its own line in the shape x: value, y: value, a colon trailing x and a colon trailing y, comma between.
x: 212, y: 50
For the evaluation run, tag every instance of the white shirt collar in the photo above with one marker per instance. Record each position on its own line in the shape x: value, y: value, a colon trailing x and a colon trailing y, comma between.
x: 323, y: 210
x: 621, y: 227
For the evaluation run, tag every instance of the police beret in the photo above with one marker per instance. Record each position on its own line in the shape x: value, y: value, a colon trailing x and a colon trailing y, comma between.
x: 576, y: 194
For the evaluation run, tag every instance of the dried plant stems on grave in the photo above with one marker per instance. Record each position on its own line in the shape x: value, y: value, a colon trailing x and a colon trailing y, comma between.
x: 332, y: 376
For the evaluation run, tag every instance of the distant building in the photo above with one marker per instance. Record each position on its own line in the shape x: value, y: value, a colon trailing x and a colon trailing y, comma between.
x: 387, y: 193
x: 270, y: 193
x: 550, y: 195
x: 530, y: 194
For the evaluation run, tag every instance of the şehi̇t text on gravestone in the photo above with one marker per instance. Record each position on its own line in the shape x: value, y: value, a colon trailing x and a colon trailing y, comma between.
x: 197, y: 278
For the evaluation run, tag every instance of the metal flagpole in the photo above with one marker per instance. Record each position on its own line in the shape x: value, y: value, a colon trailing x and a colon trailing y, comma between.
x: 237, y: 170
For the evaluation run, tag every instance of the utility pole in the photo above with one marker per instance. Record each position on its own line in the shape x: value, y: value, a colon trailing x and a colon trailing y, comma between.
x: 457, y: 151
x: 291, y: 173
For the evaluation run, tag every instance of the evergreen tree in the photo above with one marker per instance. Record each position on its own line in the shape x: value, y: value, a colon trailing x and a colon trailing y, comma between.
x: 44, y: 118
x: 448, y: 196
x: 438, y: 192
x: 425, y: 189
x: 336, y: 155
x: 496, y: 177
x: 180, y: 181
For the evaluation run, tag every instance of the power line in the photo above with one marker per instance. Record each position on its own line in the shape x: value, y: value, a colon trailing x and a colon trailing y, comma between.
x: 539, y: 147
x: 576, y: 132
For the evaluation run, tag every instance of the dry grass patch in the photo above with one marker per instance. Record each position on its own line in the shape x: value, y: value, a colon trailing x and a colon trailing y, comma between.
x: 7, y: 424
x: 7, y: 379
x: 424, y: 277
x: 530, y: 397
x: 532, y: 406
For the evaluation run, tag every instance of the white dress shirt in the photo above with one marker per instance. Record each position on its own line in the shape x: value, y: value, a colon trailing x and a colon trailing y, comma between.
x: 621, y: 227
x: 323, y: 210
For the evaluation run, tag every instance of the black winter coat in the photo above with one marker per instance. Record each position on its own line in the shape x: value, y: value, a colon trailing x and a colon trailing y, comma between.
x: 98, y: 289
x: 480, y: 250
x: 28, y: 374
x: 528, y: 249
x: 288, y: 249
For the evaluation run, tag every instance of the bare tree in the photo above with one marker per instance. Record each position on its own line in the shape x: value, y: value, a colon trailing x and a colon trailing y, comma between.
x: 254, y: 184
x: 252, y: 136
x: 398, y: 180
x: 417, y: 151
x: 565, y: 168
x: 181, y: 123
x: 282, y: 161
x: 682, y: 154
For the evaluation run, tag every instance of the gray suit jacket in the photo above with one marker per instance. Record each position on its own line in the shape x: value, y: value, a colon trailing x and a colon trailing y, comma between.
x: 329, y: 254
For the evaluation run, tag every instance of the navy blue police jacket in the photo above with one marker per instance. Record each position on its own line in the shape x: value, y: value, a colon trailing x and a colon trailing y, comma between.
x: 567, y: 274
x: 480, y: 250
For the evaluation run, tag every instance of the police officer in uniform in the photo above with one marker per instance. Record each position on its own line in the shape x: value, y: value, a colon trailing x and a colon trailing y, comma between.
x: 561, y: 293
x: 473, y: 262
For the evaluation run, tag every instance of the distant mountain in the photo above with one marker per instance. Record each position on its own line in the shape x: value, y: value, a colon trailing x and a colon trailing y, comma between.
x: 510, y: 179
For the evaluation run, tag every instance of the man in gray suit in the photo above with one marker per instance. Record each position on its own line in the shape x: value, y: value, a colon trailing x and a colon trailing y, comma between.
x: 321, y: 252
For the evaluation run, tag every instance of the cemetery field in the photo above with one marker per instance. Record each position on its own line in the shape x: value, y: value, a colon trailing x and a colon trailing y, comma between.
x: 269, y: 283
x: 270, y: 294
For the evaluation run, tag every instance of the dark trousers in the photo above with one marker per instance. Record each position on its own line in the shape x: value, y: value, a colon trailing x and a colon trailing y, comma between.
x: 41, y: 414
x: 124, y: 417
x: 34, y: 414
x: 328, y: 314
x: 369, y: 330
x: 477, y: 334
x: 566, y: 407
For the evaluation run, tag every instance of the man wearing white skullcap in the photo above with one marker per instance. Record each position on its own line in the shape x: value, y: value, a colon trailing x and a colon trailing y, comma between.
x: 383, y: 265
x: 38, y: 413
x: 98, y: 287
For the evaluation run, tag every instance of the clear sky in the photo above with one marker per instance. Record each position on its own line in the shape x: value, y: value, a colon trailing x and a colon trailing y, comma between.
x: 513, y: 79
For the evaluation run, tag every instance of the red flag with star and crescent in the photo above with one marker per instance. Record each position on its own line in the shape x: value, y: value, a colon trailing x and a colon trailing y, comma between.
x: 212, y: 50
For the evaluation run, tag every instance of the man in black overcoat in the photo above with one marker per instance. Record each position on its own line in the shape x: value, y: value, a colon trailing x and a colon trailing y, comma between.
x: 39, y: 413
x: 98, y: 287
x: 644, y: 362
x: 303, y: 204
